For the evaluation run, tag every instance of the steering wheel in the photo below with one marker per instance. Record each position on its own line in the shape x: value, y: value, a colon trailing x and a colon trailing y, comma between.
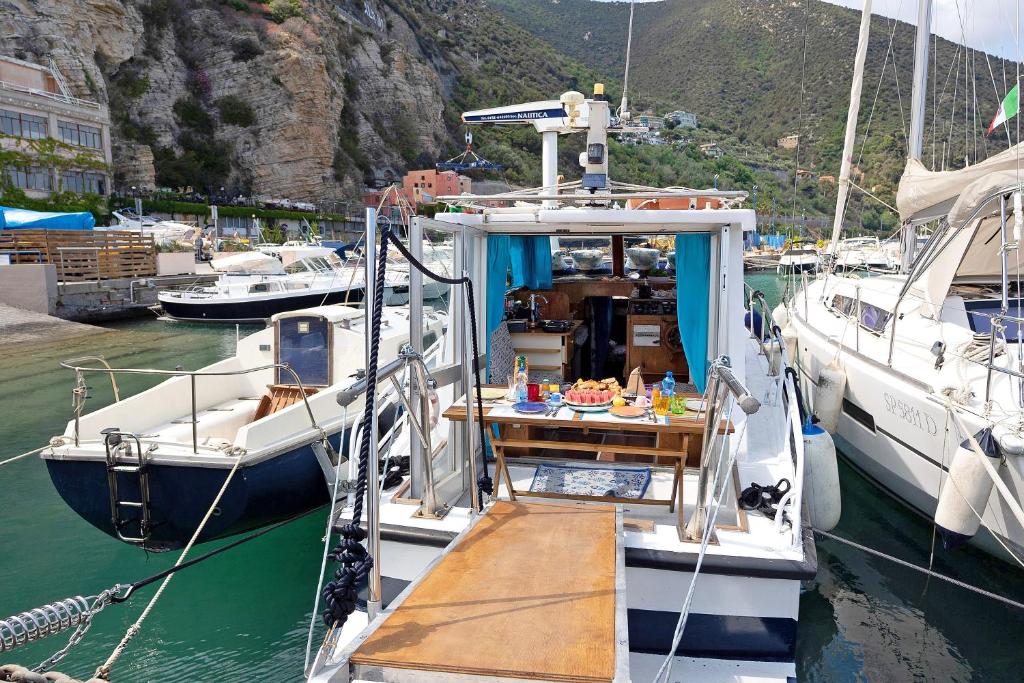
x: 673, y: 340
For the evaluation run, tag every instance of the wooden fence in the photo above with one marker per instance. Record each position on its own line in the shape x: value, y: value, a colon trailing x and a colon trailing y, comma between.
x: 81, y: 255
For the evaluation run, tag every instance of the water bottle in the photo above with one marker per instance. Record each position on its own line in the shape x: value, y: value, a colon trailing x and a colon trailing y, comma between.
x: 668, y: 386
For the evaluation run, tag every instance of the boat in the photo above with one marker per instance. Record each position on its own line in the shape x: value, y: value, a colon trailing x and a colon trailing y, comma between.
x: 146, y: 468
x: 241, y: 295
x: 920, y: 371
x: 525, y: 580
x: 163, y: 232
x: 799, y: 257
x: 864, y: 254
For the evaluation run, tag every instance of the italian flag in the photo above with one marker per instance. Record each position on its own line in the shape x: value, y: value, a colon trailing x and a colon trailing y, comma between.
x: 1007, y: 110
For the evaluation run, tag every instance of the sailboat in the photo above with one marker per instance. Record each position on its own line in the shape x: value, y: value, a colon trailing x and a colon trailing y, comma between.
x: 919, y: 374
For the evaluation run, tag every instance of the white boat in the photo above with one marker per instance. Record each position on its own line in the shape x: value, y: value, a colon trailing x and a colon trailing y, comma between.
x: 162, y: 231
x: 920, y: 373
x: 800, y: 257
x: 582, y: 586
x: 243, y: 295
x: 864, y: 254
x: 146, y: 468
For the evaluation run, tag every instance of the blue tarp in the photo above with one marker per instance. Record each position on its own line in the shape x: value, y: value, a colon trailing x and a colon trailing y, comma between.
x: 15, y: 219
x: 693, y: 289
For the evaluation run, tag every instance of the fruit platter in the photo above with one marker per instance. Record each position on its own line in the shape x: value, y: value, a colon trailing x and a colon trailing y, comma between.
x: 592, y: 395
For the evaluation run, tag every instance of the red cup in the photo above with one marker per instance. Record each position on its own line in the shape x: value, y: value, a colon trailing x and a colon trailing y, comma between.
x: 532, y: 392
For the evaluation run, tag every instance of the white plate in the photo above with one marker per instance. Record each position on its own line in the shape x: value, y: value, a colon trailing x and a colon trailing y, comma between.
x: 695, y: 404
x: 589, y: 407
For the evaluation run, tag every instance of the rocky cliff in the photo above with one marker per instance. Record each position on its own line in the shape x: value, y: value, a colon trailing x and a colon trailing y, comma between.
x: 291, y: 98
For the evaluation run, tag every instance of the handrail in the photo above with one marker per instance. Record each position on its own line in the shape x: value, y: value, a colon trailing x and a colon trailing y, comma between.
x: 191, y: 374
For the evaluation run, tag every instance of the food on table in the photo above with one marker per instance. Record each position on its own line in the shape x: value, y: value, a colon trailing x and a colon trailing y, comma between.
x: 589, y: 396
x: 618, y: 401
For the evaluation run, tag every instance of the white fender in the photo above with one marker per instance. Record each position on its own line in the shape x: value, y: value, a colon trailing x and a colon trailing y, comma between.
x: 828, y: 395
x: 774, y: 354
x: 789, y: 337
x: 967, y: 486
x: 821, y: 478
x: 780, y: 316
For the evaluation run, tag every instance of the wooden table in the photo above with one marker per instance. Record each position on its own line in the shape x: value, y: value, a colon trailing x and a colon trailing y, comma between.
x: 673, y: 441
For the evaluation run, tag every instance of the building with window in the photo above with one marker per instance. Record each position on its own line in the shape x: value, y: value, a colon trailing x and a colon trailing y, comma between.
x: 36, y: 105
x: 681, y: 119
x: 424, y: 187
x: 650, y: 120
x: 788, y: 142
x: 712, y: 150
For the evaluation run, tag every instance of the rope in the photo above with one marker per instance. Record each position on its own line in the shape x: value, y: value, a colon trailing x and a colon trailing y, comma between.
x: 923, y: 570
x: 24, y: 455
x: 104, y: 670
x: 340, y: 594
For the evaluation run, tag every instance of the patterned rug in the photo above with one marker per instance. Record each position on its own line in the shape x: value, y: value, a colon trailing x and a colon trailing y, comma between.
x: 621, y: 482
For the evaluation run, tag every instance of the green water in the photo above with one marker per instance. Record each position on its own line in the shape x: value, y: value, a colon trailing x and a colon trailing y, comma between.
x: 244, y: 614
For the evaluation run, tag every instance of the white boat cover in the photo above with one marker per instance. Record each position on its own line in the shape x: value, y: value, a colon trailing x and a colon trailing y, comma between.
x: 291, y: 254
x: 246, y: 262
x: 924, y: 194
x: 970, y: 248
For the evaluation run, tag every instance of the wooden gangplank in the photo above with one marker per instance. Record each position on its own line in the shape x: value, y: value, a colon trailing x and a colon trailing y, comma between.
x: 528, y: 593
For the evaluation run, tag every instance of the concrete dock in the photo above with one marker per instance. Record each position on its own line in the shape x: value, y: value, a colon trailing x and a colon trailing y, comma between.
x: 19, y: 325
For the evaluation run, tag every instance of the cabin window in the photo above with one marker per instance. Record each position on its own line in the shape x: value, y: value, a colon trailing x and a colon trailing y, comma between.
x: 260, y: 287
x: 872, y: 317
x: 304, y: 344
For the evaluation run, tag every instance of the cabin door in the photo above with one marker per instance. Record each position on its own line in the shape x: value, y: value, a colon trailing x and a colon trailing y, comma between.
x: 304, y: 343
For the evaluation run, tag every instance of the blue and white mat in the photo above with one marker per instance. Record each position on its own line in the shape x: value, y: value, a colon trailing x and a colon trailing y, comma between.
x: 621, y: 482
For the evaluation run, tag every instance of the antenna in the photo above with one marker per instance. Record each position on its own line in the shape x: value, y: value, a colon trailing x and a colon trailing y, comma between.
x: 624, y: 106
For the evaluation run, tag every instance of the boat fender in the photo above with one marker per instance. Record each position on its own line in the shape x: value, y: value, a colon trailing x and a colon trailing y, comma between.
x: 754, y: 323
x: 780, y: 315
x: 821, y: 478
x: 966, y: 491
x: 828, y: 395
x: 790, y: 338
x: 774, y: 355
x: 1011, y: 443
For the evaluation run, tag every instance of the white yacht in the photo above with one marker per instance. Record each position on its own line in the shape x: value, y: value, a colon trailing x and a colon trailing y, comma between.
x: 673, y: 580
x: 863, y: 254
x: 163, y: 231
x: 919, y: 374
x: 242, y: 294
x: 800, y: 257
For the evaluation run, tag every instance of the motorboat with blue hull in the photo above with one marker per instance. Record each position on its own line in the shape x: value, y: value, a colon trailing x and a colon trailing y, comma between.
x: 252, y: 309
x: 147, y: 468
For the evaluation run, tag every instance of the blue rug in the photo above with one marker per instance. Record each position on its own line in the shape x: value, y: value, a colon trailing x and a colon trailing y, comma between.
x: 621, y: 482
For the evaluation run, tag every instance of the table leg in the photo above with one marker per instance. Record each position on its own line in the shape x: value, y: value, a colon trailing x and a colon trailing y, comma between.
x: 501, y: 467
x: 677, y: 495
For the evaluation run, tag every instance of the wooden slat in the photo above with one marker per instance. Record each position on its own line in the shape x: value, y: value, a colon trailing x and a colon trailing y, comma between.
x: 84, y: 254
x: 528, y: 593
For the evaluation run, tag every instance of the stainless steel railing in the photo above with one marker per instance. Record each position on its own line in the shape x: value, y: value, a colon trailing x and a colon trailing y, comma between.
x: 79, y: 395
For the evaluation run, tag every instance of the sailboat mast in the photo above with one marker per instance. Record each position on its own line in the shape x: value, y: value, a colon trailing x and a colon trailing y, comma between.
x: 851, y: 124
x: 917, y: 110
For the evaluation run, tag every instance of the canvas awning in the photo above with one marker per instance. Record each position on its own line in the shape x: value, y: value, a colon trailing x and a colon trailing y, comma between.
x: 23, y: 219
x: 969, y: 248
x: 247, y: 262
x: 925, y: 195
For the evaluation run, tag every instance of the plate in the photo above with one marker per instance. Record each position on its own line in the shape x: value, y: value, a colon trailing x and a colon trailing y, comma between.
x: 589, y: 407
x: 530, y: 407
x: 491, y: 393
x: 630, y: 412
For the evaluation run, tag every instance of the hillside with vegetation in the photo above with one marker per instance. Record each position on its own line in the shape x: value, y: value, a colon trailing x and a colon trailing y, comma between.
x: 739, y: 65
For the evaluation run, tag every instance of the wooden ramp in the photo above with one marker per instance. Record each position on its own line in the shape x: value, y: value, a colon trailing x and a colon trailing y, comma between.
x: 528, y: 593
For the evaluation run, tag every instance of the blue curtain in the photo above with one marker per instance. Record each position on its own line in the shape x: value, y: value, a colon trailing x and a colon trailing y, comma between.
x: 693, y: 290
x: 529, y: 257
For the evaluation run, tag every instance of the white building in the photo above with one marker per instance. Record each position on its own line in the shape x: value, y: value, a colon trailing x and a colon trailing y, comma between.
x: 651, y: 121
x: 35, y: 104
x: 682, y: 119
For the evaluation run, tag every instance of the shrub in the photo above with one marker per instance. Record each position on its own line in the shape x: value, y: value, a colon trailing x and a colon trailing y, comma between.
x: 189, y: 113
x: 282, y: 10
x: 234, y: 111
x: 245, y: 49
x: 240, y: 5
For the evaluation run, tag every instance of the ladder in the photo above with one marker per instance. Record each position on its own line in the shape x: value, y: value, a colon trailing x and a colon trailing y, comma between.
x: 118, y: 444
x: 58, y: 77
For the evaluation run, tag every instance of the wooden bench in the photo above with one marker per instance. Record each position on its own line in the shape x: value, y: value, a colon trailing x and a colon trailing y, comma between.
x: 279, y: 397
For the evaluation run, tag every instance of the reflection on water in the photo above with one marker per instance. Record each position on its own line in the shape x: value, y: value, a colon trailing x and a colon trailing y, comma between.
x: 243, y: 615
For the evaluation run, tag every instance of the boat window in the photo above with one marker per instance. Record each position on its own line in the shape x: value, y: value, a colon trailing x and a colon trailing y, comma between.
x: 296, y: 285
x: 872, y: 317
x: 261, y: 287
x: 981, y: 311
x: 303, y: 343
x: 296, y: 267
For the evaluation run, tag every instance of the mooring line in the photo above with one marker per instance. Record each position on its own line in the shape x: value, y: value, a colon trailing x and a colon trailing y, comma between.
x: 24, y: 455
x: 923, y: 570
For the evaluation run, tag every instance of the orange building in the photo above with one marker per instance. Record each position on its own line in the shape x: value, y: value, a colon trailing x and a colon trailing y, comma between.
x: 424, y: 187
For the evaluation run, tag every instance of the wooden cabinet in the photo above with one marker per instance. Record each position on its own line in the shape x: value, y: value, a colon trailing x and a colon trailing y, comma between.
x: 548, y: 353
x: 653, y: 345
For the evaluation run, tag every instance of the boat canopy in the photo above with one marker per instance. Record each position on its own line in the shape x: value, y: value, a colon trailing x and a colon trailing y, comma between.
x: 925, y: 195
x: 968, y: 248
x: 247, y: 262
x: 23, y: 219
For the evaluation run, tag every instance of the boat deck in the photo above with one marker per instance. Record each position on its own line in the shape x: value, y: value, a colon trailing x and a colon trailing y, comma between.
x: 528, y: 593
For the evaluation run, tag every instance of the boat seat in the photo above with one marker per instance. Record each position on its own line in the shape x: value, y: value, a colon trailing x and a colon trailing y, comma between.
x: 215, y: 425
x: 528, y: 593
x: 279, y: 397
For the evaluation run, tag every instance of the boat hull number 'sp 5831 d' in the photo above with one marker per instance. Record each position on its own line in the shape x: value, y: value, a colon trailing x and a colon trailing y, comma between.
x: 910, y: 414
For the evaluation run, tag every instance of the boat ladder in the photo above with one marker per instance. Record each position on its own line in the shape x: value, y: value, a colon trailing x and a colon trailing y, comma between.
x: 118, y: 445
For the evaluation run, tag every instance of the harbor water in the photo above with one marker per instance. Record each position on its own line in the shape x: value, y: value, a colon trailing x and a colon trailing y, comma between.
x: 243, y: 615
